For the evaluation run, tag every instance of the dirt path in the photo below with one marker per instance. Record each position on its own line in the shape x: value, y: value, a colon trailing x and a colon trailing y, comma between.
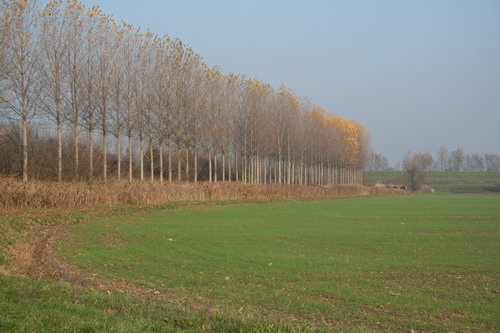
x: 36, y: 258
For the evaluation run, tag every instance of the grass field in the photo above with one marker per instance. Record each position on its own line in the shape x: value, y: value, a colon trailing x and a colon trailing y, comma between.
x: 412, y: 262
x: 444, y: 182
x: 422, y: 262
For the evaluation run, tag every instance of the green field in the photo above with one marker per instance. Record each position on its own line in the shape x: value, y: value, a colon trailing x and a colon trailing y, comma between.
x: 421, y: 262
x: 444, y: 182
x: 413, y: 262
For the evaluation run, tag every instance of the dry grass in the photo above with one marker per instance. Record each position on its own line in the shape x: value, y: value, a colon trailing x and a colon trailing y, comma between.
x: 43, y: 194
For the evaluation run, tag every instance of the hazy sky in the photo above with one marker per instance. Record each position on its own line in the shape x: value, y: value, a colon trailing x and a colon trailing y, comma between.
x: 417, y: 74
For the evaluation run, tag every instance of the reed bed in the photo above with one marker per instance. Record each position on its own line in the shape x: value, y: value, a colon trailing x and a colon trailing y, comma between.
x: 44, y: 194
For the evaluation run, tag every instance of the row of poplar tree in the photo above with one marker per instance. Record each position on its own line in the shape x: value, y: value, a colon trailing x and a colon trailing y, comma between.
x: 150, y: 108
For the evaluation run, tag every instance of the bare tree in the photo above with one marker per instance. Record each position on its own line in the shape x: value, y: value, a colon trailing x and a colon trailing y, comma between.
x: 21, y: 63
x: 89, y: 79
x: 4, y: 45
x: 425, y: 159
x: 443, y: 158
x: 105, y: 46
x: 476, y: 162
x: 377, y: 162
x: 53, y: 45
x: 117, y: 114
x: 457, y: 159
x: 413, y: 171
x: 129, y: 66
x: 492, y: 162
x: 76, y: 24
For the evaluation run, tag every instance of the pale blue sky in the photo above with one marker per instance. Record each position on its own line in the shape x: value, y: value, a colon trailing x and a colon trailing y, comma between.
x: 417, y: 74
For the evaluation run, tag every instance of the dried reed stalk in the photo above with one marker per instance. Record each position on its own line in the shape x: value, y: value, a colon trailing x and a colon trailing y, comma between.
x: 44, y: 194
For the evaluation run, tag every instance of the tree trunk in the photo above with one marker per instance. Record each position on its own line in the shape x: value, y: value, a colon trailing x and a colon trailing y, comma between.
x: 161, y: 161
x: 251, y: 170
x: 75, y: 134
x: 244, y: 169
x: 169, y: 163
x: 151, y: 164
x: 209, y: 166
x: 141, y: 152
x: 77, y: 151
x: 223, y: 167
x: 59, y: 151
x: 195, y: 165
x: 187, y: 163
x: 119, y: 152
x: 265, y: 173
x: 179, y: 165
x: 25, y: 149
x: 105, y: 156
x: 130, y: 167
x: 236, y: 167
x: 215, y: 167
x: 229, y: 166
x: 279, y: 168
x: 289, y: 175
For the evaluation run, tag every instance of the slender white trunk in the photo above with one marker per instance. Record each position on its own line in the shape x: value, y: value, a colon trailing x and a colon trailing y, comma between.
x: 91, y: 157
x: 169, y: 164
x: 279, y: 169
x: 289, y: 174
x: 244, y: 171
x: 236, y: 166
x: 76, y: 146
x: 119, y: 152
x: 160, y: 152
x: 275, y: 178
x: 229, y: 167
x: 104, y: 157
x: 130, y: 159
x: 209, y: 166
x: 215, y: 167
x: 223, y: 167
x: 195, y: 165
x: 59, y: 151
x: 179, y: 165
x: 251, y: 169
x: 265, y: 173
x: 151, y: 164
x: 25, y: 149
x: 187, y: 164
x: 141, y: 152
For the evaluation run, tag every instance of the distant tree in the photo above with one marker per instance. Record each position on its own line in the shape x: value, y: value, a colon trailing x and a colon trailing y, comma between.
x: 492, y: 162
x: 457, y: 159
x: 413, y: 170
x: 426, y: 160
x: 474, y: 163
x: 477, y: 162
x: 377, y: 162
x: 443, y: 158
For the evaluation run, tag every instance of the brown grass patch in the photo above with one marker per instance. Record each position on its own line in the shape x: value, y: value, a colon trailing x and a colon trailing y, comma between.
x: 22, y: 255
x: 44, y: 194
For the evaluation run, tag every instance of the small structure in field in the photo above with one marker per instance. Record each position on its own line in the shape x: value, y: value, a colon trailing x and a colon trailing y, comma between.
x: 395, y: 186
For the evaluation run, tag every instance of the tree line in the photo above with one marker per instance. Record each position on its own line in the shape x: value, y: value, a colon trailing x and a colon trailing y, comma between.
x: 84, y: 97
x: 455, y: 160
x: 458, y: 160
